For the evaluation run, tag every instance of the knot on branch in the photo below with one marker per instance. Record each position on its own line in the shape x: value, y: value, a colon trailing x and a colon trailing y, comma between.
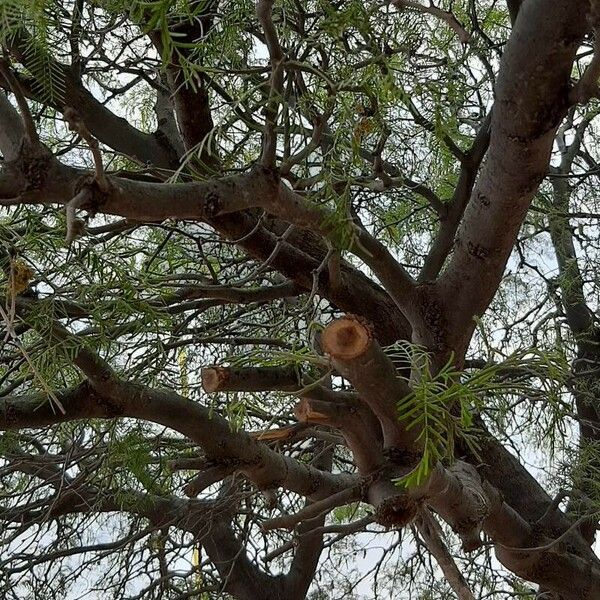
x: 394, y: 506
x: 97, y: 195
x: 462, y: 502
x: 269, y: 175
x: 397, y: 511
x: 33, y: 164
x: 109, y: 407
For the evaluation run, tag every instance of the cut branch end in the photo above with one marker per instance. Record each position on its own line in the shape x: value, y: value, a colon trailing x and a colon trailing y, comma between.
x: 213, y: 378
x: 346, y: 338
x: 305, y: 413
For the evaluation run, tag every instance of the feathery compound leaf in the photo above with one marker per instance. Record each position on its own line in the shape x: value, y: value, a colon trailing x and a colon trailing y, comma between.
x: 441, y: 406
x: 31, y: 25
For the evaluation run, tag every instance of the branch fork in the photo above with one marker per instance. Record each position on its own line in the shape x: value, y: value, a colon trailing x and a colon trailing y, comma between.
x: 85, y: 197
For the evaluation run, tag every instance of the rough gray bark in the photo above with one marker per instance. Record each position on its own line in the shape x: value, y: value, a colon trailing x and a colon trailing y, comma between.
x: 532, y: 537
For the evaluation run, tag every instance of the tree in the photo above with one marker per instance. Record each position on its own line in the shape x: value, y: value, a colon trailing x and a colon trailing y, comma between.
x: 283, y: 279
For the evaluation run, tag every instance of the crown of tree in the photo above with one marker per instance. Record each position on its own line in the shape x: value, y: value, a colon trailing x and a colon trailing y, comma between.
x: 300, y: 299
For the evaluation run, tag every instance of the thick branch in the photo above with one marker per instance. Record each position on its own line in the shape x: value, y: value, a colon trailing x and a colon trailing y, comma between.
x: 266, y: 468
x: 449, y: 222
x: 191, y: 99
x: 299, y: 257
x: 28, y: 123
x: 356, y: 423
x: 250, y: 379
x: 207, y: 201
x: 12, y: 132
x: 235, y: 295
x: 264, y: 10
x: 531, y: 100
x: 359, y: 358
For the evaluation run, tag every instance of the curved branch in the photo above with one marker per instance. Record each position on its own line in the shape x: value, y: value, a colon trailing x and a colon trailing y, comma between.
x: 265, y: 467
x: 116, y: 132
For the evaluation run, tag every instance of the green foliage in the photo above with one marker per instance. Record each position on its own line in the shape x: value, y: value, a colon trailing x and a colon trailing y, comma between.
x: 581, y: 470
x: 381, y: 79
x: 131, y: 454
x: 33, y: 24
x: 349, y: 512
x: 442, y: 404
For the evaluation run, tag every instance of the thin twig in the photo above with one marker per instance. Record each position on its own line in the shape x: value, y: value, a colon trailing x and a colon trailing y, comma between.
x: 77, y: 125
x: 13, y: 334
x: 463, y: 35
x: 587, y: 87
x: 264, y: 9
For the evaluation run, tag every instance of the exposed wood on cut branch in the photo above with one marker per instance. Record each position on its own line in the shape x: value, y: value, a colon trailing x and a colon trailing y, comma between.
x: 357, y: 356
x: 446, y: 493
x: 280, y: 434
x: 346, y: 339
x: 250, y: 379
x: 111, y: 397
x: 307, y: 412
x: 354, y: 420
